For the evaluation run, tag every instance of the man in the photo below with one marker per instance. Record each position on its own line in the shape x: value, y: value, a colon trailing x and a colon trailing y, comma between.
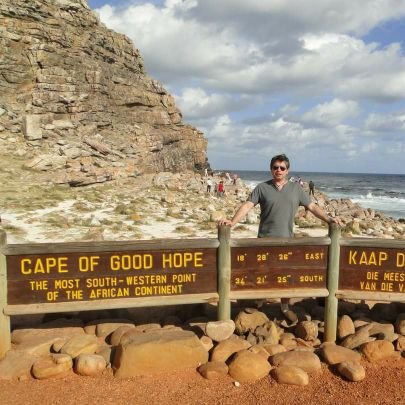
x: 279, y: 200
x: 311, y: 188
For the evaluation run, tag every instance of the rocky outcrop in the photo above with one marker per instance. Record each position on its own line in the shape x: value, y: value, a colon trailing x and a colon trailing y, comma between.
x: 75, y: 99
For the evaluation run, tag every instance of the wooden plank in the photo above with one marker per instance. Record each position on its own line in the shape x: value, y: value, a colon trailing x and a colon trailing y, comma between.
x: 372, y: 268
x: 248, y: 242
x: 372, y: 296
x: 5, y: 338
x: 11, y: 310
x: 278, y: 267
x: 107, y: 246
x: 371, y: 242
x: 224, y: 273
x: 86, y: 276
x: 287, y: 293
x: 331, y: 307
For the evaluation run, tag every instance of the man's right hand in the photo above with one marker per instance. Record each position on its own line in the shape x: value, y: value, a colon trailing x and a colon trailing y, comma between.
x: 224, y: 222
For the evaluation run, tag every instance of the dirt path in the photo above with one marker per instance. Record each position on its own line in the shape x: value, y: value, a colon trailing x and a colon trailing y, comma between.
x: 384, y: 384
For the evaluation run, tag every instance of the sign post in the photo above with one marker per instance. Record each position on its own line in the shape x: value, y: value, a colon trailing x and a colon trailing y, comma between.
x: 331, y: 308
x: 5, y: 337
x: 224, y: 273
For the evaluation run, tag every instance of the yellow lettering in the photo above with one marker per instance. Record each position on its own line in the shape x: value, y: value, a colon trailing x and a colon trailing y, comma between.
x: 400, y: 259
x: 352, y: 257
x: 368, y: 286
x: 128, y: 262
x: 44, y: 266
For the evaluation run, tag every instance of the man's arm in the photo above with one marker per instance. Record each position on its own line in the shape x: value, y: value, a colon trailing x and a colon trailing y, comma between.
x: 239, y: 214
x: 321, y: 214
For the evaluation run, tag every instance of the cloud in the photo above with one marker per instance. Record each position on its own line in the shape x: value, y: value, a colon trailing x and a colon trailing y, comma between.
x: 196, y: 104
x: 261, y: 77
x: 386, y: 123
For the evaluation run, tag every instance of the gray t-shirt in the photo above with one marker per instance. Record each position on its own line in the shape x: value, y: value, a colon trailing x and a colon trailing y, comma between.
x: 278, y: 207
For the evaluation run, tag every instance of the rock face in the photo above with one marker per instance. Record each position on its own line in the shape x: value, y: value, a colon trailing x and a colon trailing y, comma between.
x: 75, y: 98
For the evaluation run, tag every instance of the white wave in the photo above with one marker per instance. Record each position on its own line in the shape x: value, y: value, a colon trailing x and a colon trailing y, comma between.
x: 392, y: 205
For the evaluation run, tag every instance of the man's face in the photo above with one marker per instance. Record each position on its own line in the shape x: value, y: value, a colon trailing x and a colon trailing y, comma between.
x: 279, y: 170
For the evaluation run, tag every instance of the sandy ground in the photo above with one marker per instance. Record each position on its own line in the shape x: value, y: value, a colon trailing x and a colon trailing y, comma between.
x: 384, y: 384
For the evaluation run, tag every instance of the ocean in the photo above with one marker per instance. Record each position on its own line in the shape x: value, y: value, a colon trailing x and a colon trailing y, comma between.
x: 382, y: 192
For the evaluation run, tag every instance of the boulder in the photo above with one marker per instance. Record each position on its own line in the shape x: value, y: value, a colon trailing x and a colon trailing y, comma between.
x: 89, y: 364
x: 333, y: 354
x: 248, y: 367
x: 377, y: 350
x: 290, y: 375
x: 53, y: 366
x: 345, y: 327
x: 305, y: 360
x: 156, y: 352
x: 213, y: 370
x: 220, y: 330
x: 249, y: 319
x: 223, y: 350
x: 351, y: 370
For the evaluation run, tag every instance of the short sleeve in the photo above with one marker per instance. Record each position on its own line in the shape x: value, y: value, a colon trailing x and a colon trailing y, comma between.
x: 303, y: 197
x: 254, y: 196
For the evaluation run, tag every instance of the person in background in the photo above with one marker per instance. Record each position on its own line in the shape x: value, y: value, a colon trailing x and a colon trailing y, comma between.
x: 221, y: 189
x: 209, y: 185
x: 279, y: 200
x: 311, y: 188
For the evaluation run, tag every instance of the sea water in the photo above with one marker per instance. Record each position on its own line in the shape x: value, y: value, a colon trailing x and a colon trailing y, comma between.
x: 382, y: 192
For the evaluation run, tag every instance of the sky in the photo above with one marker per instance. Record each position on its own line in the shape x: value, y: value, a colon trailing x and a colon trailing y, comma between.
x: 322, y: 81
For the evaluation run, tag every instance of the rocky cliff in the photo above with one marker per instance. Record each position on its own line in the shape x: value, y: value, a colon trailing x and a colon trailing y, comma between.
x: 75, y: 100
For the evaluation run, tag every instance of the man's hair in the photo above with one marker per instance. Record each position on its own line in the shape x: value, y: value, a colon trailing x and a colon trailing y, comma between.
x: 280, y: 158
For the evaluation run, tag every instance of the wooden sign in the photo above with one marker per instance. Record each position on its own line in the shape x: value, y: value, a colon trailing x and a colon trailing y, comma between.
x: 74, y: 276
x: 372, y: 269
x: 278, y: 267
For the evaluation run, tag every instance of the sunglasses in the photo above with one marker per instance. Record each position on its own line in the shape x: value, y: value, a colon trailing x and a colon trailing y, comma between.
x: 282, y: 168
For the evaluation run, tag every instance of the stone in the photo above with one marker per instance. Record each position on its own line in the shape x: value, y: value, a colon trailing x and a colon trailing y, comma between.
x: 40, y: 345
x: 290, y: 375
x: 287, y: 342
x: 381, y: 328
x: 270, y: 332
x: 377, y: 350
x: 220, y: 330
x: 248, y: 320
x: 351, y: 370
x: 32, y: 127
x: 213, y: 370
x: 86, y: 344
x: 106, y: 352
x: 274, y: 349
x: 360, y: 337
x: 207, y: 343
x: 19, y: 336
x: 345, y: 327
x: 129, y: 335
x: 400, y: 344
x: 89, y: 364
x: 305, y: 360
x: 306, y: 330
x: 16, y: 365
x: 53, y: 366
x: 117, y: 334
x: 106, y: 329
x: 333, y: 354
x: 246, y: 367
x: 400, y: 324
x: 156, y: 352
x: 260, y: 350
x: 223, y: 350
